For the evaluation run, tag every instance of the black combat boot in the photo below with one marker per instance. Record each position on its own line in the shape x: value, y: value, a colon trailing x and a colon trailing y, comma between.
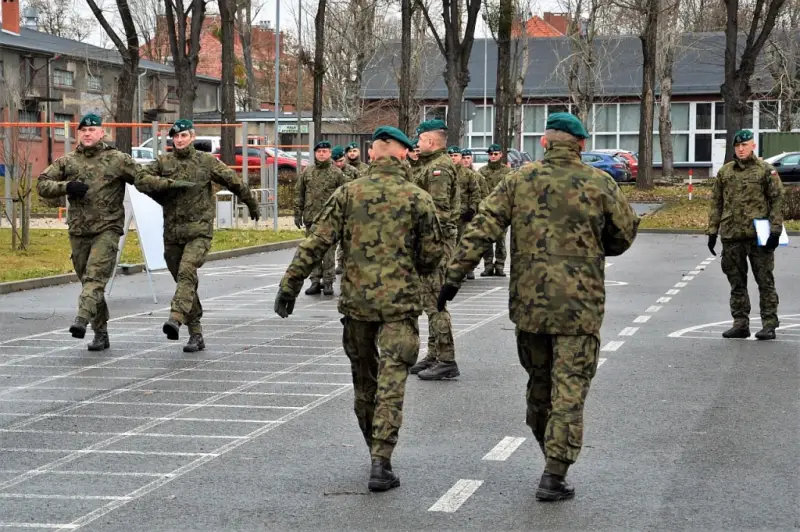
x: 78, y: 328
x: 488, y: 271
x: 554, y: 488
x: 737, y: 331
x: 423, y: 364
x: 499, y: 271
x: 314, y: 289
x: 767, y: 333
x: 195, y: 343
x: 100, y: 342
x: 381, y: 477
x: 442, y: 370
x: 327, y: 289
x: 171, y: 328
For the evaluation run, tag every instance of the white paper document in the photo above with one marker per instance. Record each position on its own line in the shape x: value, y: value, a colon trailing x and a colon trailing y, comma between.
x: 762, y: 231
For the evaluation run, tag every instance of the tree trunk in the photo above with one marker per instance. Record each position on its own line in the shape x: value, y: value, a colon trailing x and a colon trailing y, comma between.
x: 787, y: 102
x: 404, y: 118
x: 503, y: 88
x: 246, y: 38
x: 319, y: 69
x: 665, y: 128
x: 648, y: 38
x: 735, y: 94
x: 227, y: 9
x: 126, y: 95
x: 455, y: 93
x: 25, y: 204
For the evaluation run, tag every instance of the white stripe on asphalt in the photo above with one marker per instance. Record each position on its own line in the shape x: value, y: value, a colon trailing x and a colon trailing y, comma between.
x: 641, y: 319
x: 680, y: 285
x: 687, y: 278
x: 653, y: 309
x: 504, y: 449
x: 601, y: 362
x: 673, y: 292
x: 456, y: 496
x: 612, y: 346
x: 628, y: 331
x: 663, y: 300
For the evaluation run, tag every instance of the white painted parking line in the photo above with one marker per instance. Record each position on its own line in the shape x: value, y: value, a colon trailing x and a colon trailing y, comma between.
x: 653, y: 309
x: 504, y: 449
x: 681, y: 285
x: 641, y: 319
x: 612, y: 346
x: 57, y: 526
x: 687, y: 278
x: 673, y: 292
x: 663, y: 300
x: 601, y: 362
x: 694, y: 272
x: 456, y: 496
x: 4, y: 495
x: 628, y: 331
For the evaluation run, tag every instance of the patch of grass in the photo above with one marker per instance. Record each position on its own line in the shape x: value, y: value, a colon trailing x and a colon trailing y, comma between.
x: 49, y: 250
x: 663, y: 193
x: 680, y: 214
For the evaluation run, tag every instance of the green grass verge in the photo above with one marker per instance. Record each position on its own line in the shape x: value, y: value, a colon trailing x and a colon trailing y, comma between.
x: 48, y: 252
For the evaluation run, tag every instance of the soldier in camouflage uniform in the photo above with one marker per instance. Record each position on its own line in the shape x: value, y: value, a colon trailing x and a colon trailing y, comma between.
x: 350, y: 174
x: 747, y: 188
x: 391, y: 236
x: 565, y: 218
x: 437, y: 176
x: 353, y: 158
x: 413, y: 154
x: 494, y: 260
x: 470, y: 193
x: 94, y: 177
x: 189, y: 224
x: 313, y: 188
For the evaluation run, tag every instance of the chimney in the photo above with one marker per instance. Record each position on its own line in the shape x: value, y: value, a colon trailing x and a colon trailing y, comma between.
x: 559, y: 21
x: 30, y: 18
x: 11, y: 16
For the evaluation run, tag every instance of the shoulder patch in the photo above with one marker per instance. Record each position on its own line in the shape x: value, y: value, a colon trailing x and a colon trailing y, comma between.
x: 437, y: 172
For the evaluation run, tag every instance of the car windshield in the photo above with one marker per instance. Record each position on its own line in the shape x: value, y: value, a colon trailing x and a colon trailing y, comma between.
x: 480, y: 157
x: 774, y: 158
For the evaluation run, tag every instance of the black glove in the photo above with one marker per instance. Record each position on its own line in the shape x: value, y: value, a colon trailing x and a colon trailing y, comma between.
x: 468, y: 215
x: 298, y: 221
x: 284, y: 304
x: 772, y: 241
x: 254, y: 214
x: 77, y: 189
x: 447, y: 293
x: 712, y: 241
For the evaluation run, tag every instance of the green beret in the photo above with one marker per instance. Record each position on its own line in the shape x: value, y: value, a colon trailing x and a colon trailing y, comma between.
x: 568, y: 123
x: 392, y: 133
x: 337, y: 153
x: 430, y: 125
x: 453, y: 149
x: 466, y: 152
x: 180, y: 126
x: 743, y: 135
x: 90, y: 120
x: 351, y: 146
x: 323, y: 144
x: 494, y: 148
x: 415, y: 143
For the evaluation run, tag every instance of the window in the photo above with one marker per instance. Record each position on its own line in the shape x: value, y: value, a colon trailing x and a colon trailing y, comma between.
x: 790, y: 160
x: 558, y: 108
x: 533, y: 119
x: 680, y: 148
x: 768, y: 115
x: 629, y: 143
x: 719, y: 112
x: 703, y: 117
x: 61, y: 118
x: 63, y: 78
x: 482, y: 126
x: 172, y: 94
x: 629, y: 117
x: 29, y: 116
x: 436, y: 112
x: 605, y: 118
x: 532, y: 145
x: 605, y: 142
x: 95, y: 83
x: 702, y: 146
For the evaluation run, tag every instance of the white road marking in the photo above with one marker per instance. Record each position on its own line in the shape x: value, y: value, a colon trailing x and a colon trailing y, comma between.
x: 673, y: 292
x: 504, y: 449
x: 694, y: 272
x: 58, y: 526
x: 4, y: 495
x: 709, y: 259
x: 687, y: 278
x: 653, y: 309
x: 681, y: 285
x: 456, y: 496
x: 628, y: 331
x: 601, y: 362
x: 663, y: 300
x: 641, y: 319
x: 612, y: 346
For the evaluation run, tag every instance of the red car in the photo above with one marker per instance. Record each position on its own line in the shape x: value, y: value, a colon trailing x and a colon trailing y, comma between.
x: 628, y: 157
x: 285, y: 163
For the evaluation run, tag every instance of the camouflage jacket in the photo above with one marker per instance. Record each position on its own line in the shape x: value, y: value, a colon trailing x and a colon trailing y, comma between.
x: 390, y: 236
x: 470, y: 187
x: 437, y: 175
x: 493, y: 173
x: 745, y: 190
x: 565, y: 218
x: 359, y: 166
x: 314, y: 187
x: 106, y: 171
x: 189, y: 214
x: 350, y: 173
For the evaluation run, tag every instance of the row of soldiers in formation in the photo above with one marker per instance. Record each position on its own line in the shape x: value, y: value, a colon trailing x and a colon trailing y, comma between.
x: 410, y: 233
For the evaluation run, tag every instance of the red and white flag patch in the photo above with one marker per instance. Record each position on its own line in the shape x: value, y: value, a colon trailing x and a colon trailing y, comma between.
x: 437, y: 172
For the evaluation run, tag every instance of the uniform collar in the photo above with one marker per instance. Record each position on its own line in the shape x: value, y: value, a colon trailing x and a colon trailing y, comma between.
x: 561, y: 150
x: 741, y: 164
x: 184, y: 153
x: 427, y: 157
x: 91, y: 151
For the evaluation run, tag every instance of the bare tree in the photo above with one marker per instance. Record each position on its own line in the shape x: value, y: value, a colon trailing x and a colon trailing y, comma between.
x: 247, y: 11
x: 404, y: 82
x: 126, y: 83
x: 668, y: 40
x: 227, y: 12
x: 740, y: 64
x: 61, y: 18
x: 317, y: 66
x: 783, y: 56
x: 185, y: 47
x: 146, y: 16
x: 456, y: 49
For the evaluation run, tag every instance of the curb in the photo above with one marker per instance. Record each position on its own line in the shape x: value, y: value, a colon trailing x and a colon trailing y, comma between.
x: 128, y: 269
x: 667, y: 231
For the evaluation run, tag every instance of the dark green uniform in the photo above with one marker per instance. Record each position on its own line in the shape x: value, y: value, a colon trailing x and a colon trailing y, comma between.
x: 494, y: 260
x: 743, y: 191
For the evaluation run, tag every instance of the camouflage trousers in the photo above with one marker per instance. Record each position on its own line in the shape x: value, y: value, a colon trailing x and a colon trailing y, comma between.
x: 380, y: 356
x: 496, y: 253
x: 735, y: 255
x: 183, y: 261
x: 94, y: 259
x: 441, y: 346
x: 560, y: 370
x: 461, y: 227
x: 325, y: 271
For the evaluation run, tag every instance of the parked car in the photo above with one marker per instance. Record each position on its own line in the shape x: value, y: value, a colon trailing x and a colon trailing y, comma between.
x: 612, y: 165
x: 142, y: 155
x: 285, y: 164
x: 787, y: 165
x: 517, y: 158
x: 628, y: 156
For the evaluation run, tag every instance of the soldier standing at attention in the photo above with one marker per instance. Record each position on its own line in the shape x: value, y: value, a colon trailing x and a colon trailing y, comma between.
x: 494, y: 260
x: 353, y: 153
x: 350, y: 173
x: 314, y: 187
x: 470, y: 193
x: 413, y: 154
x: 391, y: 236
x: 565, y: 218
x: 745, y: 189
x: 437, y: 176
x: 93, y: 177
x: 189, y: 224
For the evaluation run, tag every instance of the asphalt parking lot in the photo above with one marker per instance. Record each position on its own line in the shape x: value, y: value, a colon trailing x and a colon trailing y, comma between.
x: 684, y: 430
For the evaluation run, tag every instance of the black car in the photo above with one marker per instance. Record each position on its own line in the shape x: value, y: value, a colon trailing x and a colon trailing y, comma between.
x: 787, y: 165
